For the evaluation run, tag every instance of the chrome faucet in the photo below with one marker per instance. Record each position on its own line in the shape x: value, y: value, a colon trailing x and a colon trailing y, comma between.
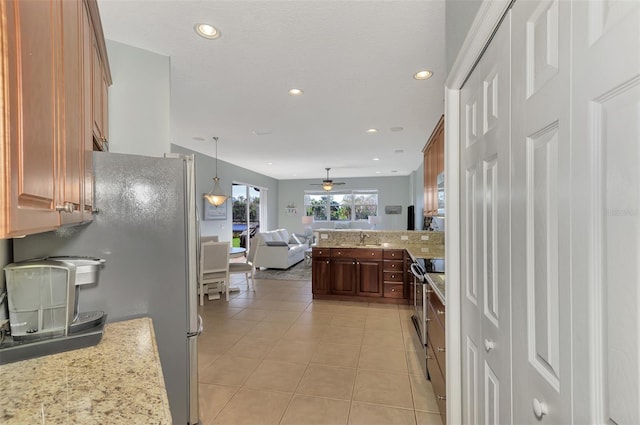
x: 363, y: 236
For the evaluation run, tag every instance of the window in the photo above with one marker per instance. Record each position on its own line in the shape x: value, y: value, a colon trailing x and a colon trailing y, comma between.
x: 338, y: 205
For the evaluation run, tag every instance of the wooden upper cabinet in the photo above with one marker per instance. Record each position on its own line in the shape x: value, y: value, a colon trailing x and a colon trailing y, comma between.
x: 71, y: 145
x: 46, y: 123
x: 101, y: 80
x: 29, y: 116
x: 433, y: 165
x: 87, y: 114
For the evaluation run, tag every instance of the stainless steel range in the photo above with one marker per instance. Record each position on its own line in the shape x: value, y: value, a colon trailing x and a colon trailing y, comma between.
x: 420, y: 286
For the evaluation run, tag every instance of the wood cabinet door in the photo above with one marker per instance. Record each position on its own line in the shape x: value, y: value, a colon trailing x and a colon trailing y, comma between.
x: 320, y: 275
x: 344, y: 276
x: 369, y: 278
x: 87, y: 117
x: 30, y: 101
x: 71, y: 144
x: 97, y: 101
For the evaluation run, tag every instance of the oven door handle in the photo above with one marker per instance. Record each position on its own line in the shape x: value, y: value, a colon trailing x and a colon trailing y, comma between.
x: 415, y: 270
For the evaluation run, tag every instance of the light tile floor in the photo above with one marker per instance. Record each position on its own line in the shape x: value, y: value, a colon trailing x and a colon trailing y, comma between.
x: 275, y: 356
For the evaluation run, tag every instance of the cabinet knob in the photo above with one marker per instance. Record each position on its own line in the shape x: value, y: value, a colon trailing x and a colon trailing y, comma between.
x: 429, y: 357
x: 373, y: 253
x: 103, y: 139
x: 393, y: 289
x: 440, y: 312
x: 327, y: 261
x: 429, y: 291
x: 68, y: 207
x: 539, y: 408
x: 393, y: 276
x: 440, y: 349
x: 442, y: 397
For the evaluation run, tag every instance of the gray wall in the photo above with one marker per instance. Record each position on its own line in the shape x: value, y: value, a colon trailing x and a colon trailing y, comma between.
x: 228, y: 174
x: 5, y: 258
x: 459, y: 15
x: 139, y: 101
x: 391, y: 191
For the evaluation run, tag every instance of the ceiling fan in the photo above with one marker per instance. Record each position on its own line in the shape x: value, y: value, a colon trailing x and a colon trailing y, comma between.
x: 327, y: 184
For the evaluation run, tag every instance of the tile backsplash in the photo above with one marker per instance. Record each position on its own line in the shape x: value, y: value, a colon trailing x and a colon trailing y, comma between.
x: 332, y: 237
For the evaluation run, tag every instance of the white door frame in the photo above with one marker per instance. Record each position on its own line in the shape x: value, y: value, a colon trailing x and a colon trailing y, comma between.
x: 486, y: 22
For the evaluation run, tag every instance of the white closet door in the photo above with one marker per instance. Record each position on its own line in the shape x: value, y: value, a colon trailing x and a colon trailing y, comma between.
x: 485, y: 174
x: 540, y: 202
x: 606, y: 131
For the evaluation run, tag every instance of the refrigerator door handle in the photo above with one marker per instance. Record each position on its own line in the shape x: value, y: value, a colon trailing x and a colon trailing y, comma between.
x: 200, y: 328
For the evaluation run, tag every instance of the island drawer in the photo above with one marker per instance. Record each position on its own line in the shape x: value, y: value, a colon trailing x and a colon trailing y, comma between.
x: 360, y: 253
x: 393, y: 276
x: 393, y: 290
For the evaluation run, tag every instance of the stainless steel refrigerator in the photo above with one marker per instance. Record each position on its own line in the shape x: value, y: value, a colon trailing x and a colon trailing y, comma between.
x: 146, y: 228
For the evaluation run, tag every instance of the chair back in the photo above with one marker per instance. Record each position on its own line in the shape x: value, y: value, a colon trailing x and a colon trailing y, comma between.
x: 214, y: 257
x: 213, y: 238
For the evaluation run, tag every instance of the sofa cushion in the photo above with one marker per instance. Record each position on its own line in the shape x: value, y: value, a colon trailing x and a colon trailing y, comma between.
x: 267, y: 236
x: 276, y: 243
x: 284, y: 234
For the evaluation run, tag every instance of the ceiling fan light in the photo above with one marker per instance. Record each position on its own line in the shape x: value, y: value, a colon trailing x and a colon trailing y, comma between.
x: 327, y: 186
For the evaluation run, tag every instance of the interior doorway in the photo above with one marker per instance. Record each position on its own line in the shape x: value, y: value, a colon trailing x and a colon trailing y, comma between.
x: 246, y: 213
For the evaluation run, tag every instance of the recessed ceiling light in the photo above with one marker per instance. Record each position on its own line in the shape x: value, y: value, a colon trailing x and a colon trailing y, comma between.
x: 399, y: 151
x: 372, y: 130
x: 198, y: 138
x: 378, y: 172
x: 396, y: 129
x: 207, y: 31
x: 269, y: 163
x: 394, y: 171
x: 295, y: 92
x: 422, y: 75
x: 376, y: 159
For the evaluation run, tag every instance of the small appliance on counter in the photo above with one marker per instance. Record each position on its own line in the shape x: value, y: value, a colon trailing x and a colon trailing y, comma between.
x: 43, y: 298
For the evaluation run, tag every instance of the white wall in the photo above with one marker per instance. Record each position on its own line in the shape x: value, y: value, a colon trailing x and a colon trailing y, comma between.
x: 391, y: 191
x: 459, y: 14
x: 139, y: 101
x: 228, y: 173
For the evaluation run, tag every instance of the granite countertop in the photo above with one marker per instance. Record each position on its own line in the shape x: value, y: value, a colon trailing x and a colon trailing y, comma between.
x: 118, y: 381
x: 437, y: 282
x: 416, y: 251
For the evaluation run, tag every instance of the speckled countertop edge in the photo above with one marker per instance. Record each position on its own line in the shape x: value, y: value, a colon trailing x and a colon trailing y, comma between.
x: 438, y: 287
x: 118, y: 381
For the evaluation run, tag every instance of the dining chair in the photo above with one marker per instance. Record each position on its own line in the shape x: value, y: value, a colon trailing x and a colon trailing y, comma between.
x: 245, y: 267
x: 214, y: 268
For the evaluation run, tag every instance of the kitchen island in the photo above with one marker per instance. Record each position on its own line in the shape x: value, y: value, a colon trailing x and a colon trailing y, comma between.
x: 369, y: 265
x: 118, y: 381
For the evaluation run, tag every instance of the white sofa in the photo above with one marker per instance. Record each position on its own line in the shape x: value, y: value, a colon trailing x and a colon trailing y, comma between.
x: 276, y: 249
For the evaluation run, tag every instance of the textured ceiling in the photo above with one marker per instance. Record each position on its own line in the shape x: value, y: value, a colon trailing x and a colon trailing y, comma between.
x: 354, y: 60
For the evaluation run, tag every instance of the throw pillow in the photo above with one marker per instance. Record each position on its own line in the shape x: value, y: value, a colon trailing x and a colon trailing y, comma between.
x: 298, y: 239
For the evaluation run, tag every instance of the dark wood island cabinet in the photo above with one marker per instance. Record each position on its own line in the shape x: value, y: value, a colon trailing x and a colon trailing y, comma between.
x: 359, y: 274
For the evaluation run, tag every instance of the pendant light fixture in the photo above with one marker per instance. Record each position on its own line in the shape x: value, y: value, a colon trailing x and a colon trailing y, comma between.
x: 216, y: 196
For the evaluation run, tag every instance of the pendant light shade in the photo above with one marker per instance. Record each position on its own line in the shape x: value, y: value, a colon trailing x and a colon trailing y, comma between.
x: 216, y: 196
